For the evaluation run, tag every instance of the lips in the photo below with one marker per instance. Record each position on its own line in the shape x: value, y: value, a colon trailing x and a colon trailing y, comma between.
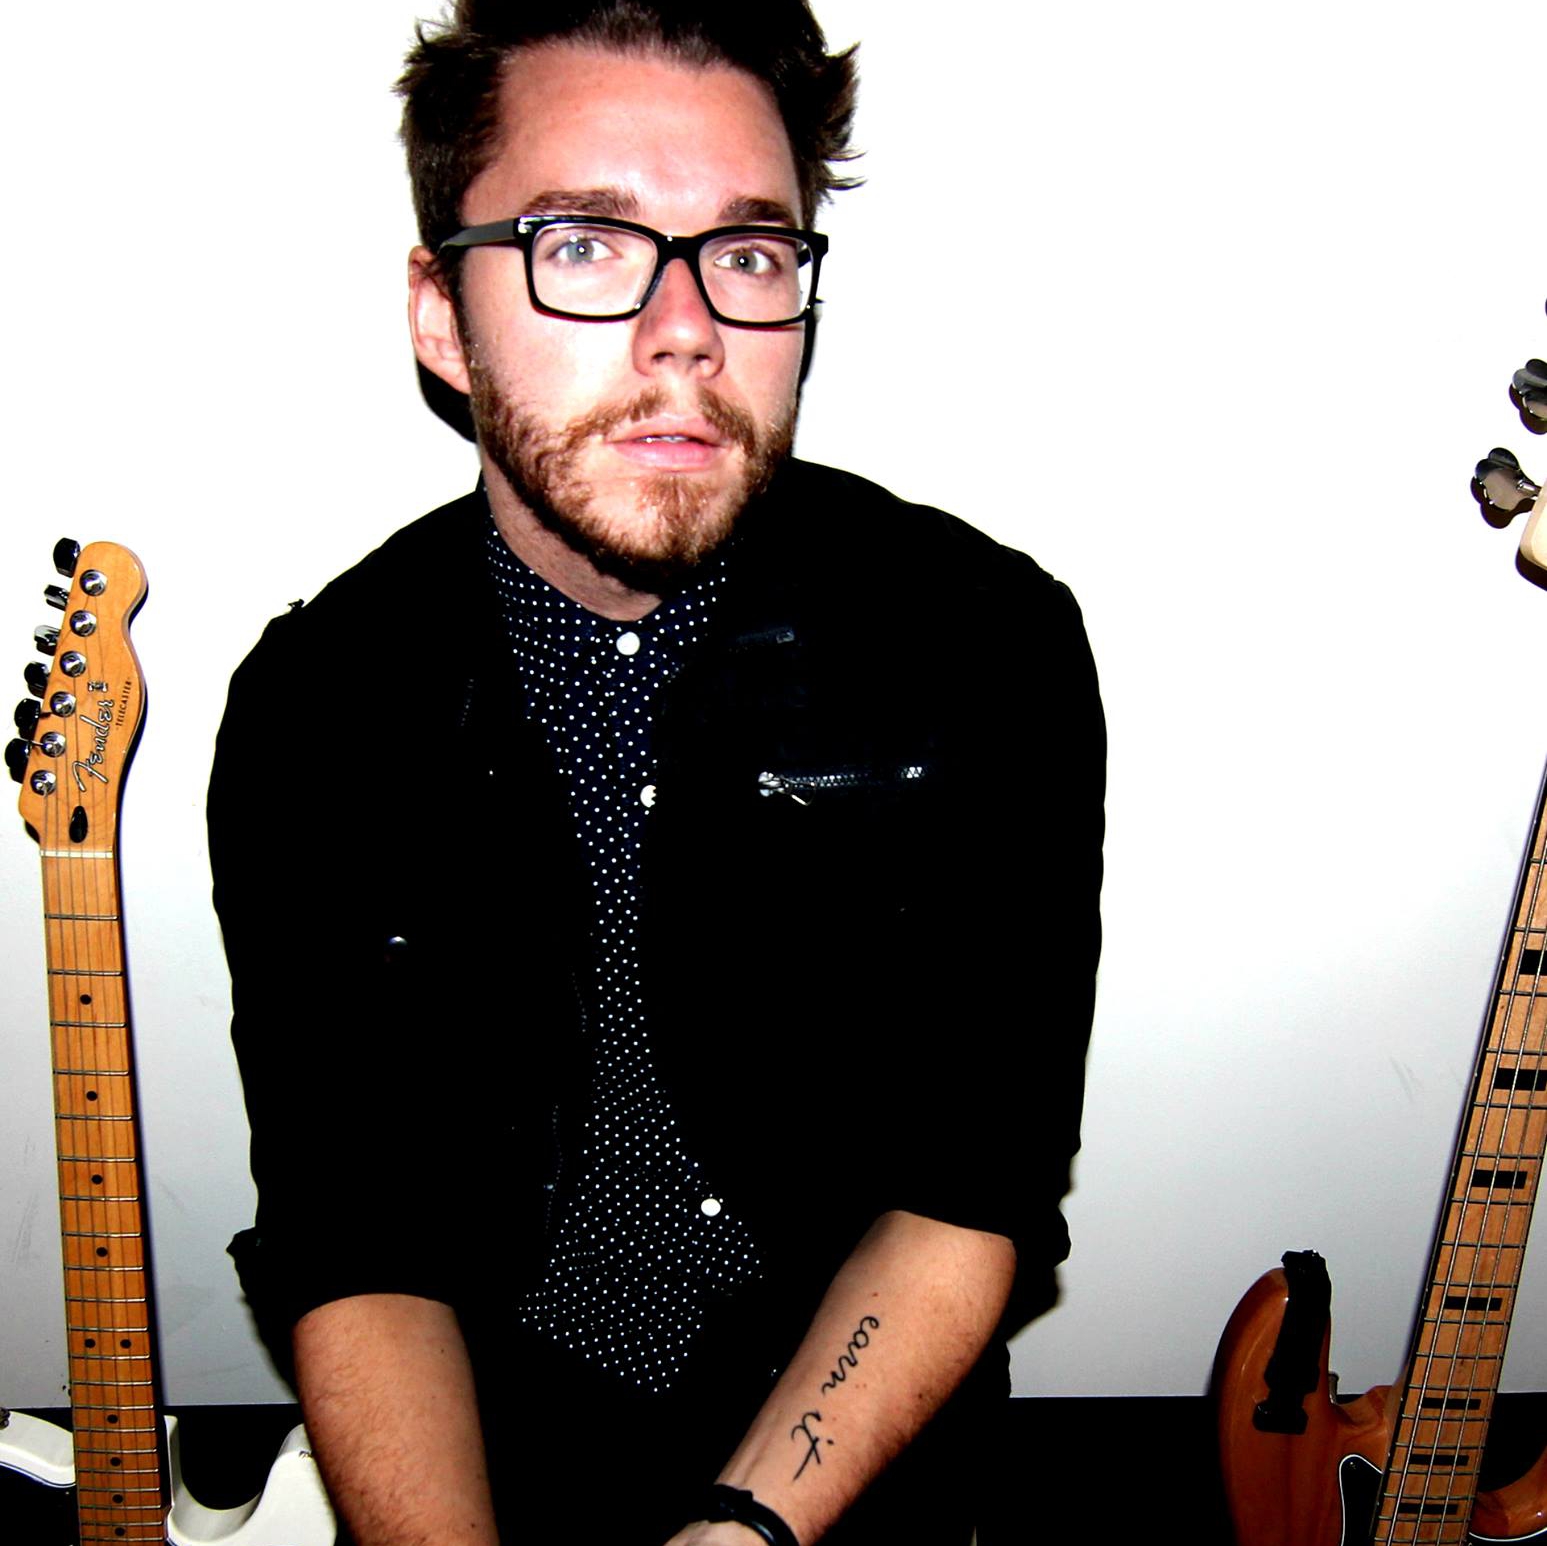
x: 669, y: 442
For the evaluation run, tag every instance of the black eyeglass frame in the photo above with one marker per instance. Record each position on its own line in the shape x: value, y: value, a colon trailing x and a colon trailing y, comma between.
x: 520, y: 231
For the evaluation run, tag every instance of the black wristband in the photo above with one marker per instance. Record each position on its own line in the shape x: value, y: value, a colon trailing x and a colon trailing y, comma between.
x: 733, y: 1504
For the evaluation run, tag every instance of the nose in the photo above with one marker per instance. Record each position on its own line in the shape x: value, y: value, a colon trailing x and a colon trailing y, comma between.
x: 675, y: 333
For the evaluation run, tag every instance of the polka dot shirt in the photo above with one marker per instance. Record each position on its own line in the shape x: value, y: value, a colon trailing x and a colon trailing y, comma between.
x: 645, y: 1241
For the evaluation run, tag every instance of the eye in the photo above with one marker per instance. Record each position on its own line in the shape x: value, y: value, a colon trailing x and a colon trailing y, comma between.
x: 755, y: 260
x: 568, y: 247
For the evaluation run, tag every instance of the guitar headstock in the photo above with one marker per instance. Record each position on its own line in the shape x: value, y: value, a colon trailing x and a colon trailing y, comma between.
x: 1504, y: 489
x: 78, y: 727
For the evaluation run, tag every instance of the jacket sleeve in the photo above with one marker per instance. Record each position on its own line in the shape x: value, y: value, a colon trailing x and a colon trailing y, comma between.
x: 330, y: 1010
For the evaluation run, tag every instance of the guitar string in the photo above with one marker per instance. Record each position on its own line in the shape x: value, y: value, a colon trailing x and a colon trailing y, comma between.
x: 96, y: 1056
x: 1476, y: 1146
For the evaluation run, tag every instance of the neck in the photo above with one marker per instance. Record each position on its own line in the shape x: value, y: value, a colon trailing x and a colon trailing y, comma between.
x: 546, y: 553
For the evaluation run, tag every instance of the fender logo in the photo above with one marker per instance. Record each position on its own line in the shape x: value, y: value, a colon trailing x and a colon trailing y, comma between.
x: 100, y: 728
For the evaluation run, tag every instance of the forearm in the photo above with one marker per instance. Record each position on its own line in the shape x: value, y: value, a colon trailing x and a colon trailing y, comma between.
x: 903, y: 1322
x: 387, y: 1392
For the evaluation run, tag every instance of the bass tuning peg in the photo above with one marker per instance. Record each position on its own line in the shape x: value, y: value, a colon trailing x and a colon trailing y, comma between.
x: 56, y: 596
x: 66, y: 551
x: 46, y: 639
x: 1501, y: 487
x: 37, y: 678
x: 1528, y: 392
x: 28, y: 712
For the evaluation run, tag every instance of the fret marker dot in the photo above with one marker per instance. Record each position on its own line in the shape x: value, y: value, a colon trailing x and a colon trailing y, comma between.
x: 91, y: 1094
x: 85, y: 998
x: 112, y: 1417
x: 126, y: 1343
x: 118, y: 1497
x: 96, y: 1180
x: 115, y: 1461
x: 101, y: 1250
x: 91, y: 1341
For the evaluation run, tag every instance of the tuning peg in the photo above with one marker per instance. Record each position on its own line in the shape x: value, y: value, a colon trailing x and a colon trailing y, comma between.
x: 1501, y: 487
x: 56, y: 596
x: 66, y: 551
x: 16, y: 759
x: 28, y: 712
x: 46, y: 639
x: 1528, y: 392
x: 37, y: 678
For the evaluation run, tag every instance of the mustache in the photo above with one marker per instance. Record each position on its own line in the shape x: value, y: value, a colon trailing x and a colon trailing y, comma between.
x: 733, y: 423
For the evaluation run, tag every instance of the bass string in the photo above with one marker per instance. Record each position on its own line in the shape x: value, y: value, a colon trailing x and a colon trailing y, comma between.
x: 1517, y: 1004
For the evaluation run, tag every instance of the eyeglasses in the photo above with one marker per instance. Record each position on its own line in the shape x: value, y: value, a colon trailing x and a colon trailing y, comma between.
x: 607, y: 270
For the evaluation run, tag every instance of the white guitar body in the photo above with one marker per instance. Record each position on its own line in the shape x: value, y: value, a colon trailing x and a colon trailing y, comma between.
x: 291, y: 1510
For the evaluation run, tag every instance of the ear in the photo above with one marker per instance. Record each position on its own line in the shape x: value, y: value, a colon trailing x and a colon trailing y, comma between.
x: 432, y: 321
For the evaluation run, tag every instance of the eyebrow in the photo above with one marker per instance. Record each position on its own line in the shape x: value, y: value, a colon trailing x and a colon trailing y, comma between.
x: 752, y: 211
x: 619, y: 204
x: 604, y: 202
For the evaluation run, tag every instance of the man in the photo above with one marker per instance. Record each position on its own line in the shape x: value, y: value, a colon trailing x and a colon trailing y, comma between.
x: 663, y: 1038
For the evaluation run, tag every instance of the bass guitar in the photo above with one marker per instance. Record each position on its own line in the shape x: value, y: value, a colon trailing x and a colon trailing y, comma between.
x: 1400, y: 1463
x: 77, y: 733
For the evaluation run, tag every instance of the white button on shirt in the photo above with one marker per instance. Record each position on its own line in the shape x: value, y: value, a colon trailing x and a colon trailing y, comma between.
x: 628, y: 643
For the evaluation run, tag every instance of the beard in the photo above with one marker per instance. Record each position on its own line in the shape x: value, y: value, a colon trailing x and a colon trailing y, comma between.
x: 675, y: 521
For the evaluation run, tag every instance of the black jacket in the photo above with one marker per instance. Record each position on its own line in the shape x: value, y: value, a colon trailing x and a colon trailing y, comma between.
x: 871, y: 881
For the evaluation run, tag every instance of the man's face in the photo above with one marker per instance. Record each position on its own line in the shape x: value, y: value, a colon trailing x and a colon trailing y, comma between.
x: 639, y: 441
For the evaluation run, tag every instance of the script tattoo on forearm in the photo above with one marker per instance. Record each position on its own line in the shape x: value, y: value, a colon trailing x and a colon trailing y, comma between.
x: 814, y: 1441
x: 848, y: 1359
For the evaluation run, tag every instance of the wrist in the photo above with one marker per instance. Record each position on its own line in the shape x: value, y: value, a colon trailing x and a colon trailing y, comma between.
x: 735, y: 1506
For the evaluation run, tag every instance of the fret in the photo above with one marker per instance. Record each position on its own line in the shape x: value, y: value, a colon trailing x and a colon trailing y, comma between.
x: 1512, y: 1129
x: 126, y: 1255
x: 101, y: 1299
x: 82, y: 918
x: 1494, y: 1222
x: 81, y: 971
x: 94, y: 1098
x: 88, y: 1139
x: 76, y: 853
x: 1461, y: 1339
x: 1518, y: 1024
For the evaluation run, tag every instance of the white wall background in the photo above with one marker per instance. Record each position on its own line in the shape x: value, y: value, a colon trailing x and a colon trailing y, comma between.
x: 1284, y: 262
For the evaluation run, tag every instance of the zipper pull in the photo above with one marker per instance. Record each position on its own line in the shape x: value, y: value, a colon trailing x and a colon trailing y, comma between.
x: 772, y: 783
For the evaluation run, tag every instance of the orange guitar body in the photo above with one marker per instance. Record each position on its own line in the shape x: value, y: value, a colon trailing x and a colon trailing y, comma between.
x: 1318, y: 1488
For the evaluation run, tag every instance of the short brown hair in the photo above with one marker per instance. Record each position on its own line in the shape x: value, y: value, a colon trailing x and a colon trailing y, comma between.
x: 451, y: 82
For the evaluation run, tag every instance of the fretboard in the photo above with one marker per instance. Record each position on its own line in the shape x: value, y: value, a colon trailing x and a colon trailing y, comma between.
x: 1458, y: 1345
x: 119, y: 1486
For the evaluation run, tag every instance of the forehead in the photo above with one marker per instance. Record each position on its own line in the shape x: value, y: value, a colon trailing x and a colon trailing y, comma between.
x: 679, y: 142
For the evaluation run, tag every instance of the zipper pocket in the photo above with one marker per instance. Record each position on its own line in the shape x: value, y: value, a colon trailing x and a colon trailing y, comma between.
x: 797, y: 786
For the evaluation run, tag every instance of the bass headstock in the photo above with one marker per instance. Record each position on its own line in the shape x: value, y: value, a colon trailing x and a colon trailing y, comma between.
x: 77, y: 729
x: 1502, y: 486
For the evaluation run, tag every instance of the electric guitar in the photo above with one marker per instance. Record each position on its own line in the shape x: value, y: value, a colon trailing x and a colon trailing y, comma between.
x: 1400, y: 1463
x: 77, y: 735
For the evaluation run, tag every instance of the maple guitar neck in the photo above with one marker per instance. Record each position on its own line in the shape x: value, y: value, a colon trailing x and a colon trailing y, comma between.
x: 92, y: 709
x: 1457, y: 1353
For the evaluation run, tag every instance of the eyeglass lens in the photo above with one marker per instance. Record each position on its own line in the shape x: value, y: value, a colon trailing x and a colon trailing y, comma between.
x: 597, y: 270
